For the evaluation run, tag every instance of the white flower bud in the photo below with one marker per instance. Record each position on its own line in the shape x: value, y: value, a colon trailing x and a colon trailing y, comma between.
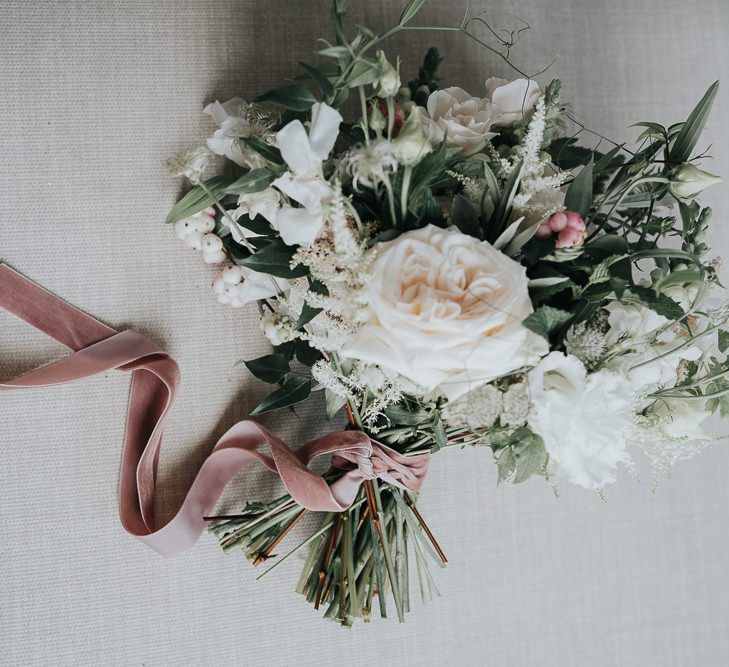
x: 278, y: 328
x: 388, y: 81
x: 688, y: 181
x: 411, y: 143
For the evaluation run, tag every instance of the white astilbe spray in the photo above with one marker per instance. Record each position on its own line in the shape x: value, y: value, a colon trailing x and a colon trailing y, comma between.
x: 337, y: 260
x: 368, y: 386
x: 539, y: 190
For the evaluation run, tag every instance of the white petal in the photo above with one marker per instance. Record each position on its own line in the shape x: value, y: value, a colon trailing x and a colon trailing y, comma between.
x: 220, y: 112
x: 324, y: 129
x: 259, y: 286
x: 296, y: 150
x: 309, y: 193
x: 297, y: 226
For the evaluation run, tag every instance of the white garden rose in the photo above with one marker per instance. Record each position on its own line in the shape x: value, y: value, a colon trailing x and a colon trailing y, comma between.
x: 465, y: 120
x: 445, y: 311
x: 514, y: 100
x: 583, y: 418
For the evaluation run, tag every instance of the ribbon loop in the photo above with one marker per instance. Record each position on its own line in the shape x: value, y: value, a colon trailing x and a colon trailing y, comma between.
x: 98, y: 348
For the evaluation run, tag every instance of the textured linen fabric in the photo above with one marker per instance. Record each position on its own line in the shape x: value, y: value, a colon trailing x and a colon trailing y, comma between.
x: 93, y: 97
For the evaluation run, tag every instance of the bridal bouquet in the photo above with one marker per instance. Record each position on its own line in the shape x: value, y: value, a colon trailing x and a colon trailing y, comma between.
x: 452, y: 269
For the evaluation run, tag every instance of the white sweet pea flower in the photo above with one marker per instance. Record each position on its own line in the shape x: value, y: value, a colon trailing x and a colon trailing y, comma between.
x: 304, y: 183
x: 583, y: 419
x: 514, y: 100
x: 265, y: 203
x: 230, y: 118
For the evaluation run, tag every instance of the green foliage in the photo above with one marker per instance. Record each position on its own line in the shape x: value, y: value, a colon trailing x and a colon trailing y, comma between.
x: 270, y: 368
x: 691, y: 130
x: 199, y: 198
x: 519, y: 455
x: 547, y: 321
x: 275, y: 259
x: 579, y: 194
x: 295, y: 388
x: 294, y: 97
x: 428, y: 77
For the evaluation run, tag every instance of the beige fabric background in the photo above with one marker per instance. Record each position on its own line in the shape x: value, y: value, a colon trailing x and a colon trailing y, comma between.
x: 93, y: 96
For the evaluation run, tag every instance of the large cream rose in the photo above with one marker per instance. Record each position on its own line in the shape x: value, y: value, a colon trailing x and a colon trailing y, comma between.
x: 445, y: 311
x: 464, y: 120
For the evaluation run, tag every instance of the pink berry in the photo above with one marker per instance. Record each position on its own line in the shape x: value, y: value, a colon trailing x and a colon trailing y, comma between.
x: 570, y: 237
x: 543, y: 231
x: 575, y: 221
x: 557, y: 222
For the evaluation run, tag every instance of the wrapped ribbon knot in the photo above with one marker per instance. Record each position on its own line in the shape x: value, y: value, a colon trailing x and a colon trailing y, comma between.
x: 98, y: 348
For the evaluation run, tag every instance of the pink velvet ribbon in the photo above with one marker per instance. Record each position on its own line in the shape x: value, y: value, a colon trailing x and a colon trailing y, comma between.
x: 98, y: 348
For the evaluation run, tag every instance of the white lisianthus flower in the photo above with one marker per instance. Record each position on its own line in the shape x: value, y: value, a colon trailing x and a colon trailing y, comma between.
x: 514, y: 100
x: 583, y: 419
x: 230, y: 117
x: 465, y: 121
x: 304, y: 183
x: 445, y: 311
x: 681, y: 419
x: 631, y: 328
x: 688, y: 181
x: 388, y: 79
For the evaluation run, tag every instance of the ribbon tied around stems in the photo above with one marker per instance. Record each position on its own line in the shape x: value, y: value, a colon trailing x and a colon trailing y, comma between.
x: 97, y: 348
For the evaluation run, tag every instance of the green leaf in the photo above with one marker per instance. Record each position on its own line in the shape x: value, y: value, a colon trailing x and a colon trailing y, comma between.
x: 404, y: 416
x: 689, y: 134
x: 531, y: 456
x: 274, y: 259
x: 439, y: 433
x: 325, y: 86
x: 579, y: 194
x: 270, y: 368
x: 334, y: 403
x: 411, y: 9
x: 607, y: 246
x: 264, y: 149
x: 308, y: 312
x: 546, y: 320
x: 503, y: 208
x: 464, y: 217
x: 292, y: 96
x: 254, y: 181
x: 197, y: 199
x: 305, y: 353
x: 295, y: 388
x: 660, y: 303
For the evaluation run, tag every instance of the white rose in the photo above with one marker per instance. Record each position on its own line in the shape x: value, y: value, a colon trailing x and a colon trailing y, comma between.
x: 583, y: 419
x: 445, y: 311
x: 515, y: 100
x: 465, y: 120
